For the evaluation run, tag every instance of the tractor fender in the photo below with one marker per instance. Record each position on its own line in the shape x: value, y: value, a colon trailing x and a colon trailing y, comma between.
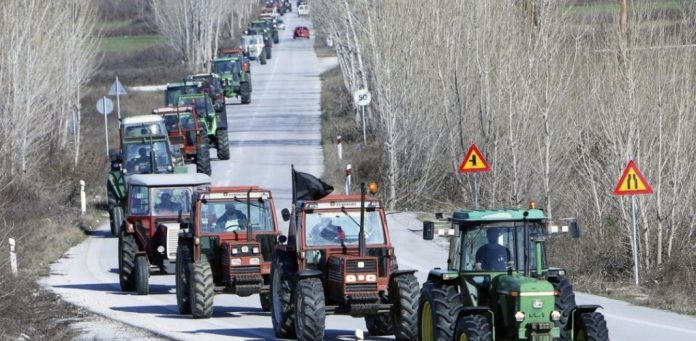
x: 438, y: 275
x: 468, y: 311
x: 398, y: 273
x: 222, y: 118
x: 585, y: 308
x: 307, y: 274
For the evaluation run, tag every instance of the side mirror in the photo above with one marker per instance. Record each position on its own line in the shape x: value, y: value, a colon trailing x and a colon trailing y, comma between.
x: 574, y: 230
x: 185, y: 224
x: 438, y: 215
x: 428, y: 230
x: 285, y: 213
x: 282, y: 239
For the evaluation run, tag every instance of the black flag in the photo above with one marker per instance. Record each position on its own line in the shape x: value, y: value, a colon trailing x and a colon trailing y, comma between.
x: 308, y: 187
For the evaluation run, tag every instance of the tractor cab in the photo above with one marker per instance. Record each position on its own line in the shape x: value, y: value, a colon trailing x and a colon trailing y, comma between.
x: 203, y: 107
x: 182, y: 127
x: 144, y: 146
x: 174, y: 90
x: 235, y: 81
x: 254, y: 47
x: 238, y: 54
x: 210, y: 84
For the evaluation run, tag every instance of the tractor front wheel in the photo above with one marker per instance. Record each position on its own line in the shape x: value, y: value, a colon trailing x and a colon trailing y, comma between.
x: 223, y: 144
x: 473, y: 328
x: 203, y: 158
x: 593, y: 327
x: 380, y: 324
x: 276, y: 38
x: 265, y: 300
x: 310, y: 309
x: 142, y: 275
x: 262, y: 57
x: 437, y: 312
x: 404, y: 294
x: 245, y: 91
x: 183, y: 274
x: 201, y: 290
x: 565, y: 304
x: 269, y: 54
x: 126, y: 261
x: 116, y: 215
x: 282, y: 310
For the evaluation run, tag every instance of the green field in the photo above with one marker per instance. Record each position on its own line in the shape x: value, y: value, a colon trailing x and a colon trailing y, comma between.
x: 605, y: 8
x: 128, y: 44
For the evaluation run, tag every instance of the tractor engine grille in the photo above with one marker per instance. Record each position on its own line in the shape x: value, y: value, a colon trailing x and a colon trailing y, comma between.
x: 172, y: 240
x: 361, y: 287
x: 368, y: 265
x: 246, y: 269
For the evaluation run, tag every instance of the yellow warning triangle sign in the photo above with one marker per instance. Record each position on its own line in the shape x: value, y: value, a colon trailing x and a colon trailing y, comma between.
x: 632, y: 182
x: 474, y: 162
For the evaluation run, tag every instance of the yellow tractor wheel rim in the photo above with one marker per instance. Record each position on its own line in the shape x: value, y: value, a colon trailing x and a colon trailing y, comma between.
x: 427, y: 331
x: 463, y: 337
x: 582, y: 335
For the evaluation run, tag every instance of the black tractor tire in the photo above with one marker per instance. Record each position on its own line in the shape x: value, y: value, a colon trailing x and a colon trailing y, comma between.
x: 282, y: 309
x: 473, y: 328
x: 380, y: 324
x: 116, y: 219
x: 404, y: 294
x: 269, y: 54
x: 565, y: 304
x: 126, y: 261
x: 202, y: 290
x: 182, y: 277
x: 262, y: 57
x: 142, y: 275
x: 592, y: 327
x: 276, y: 38
x: 245, y: 91
x: 265, y: 300
x: 310, y: 307
x: 441, y: 303
x: 222, y: 144
x: 203, y: 158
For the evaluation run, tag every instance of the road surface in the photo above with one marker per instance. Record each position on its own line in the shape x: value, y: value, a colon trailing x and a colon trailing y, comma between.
x: 281, y: 127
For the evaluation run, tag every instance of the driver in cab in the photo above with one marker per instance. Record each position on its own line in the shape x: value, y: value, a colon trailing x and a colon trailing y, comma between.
x: 232, y: 220
x: 492, y: 256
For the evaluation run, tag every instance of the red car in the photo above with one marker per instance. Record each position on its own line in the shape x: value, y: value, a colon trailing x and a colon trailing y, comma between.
x: 300, y: 32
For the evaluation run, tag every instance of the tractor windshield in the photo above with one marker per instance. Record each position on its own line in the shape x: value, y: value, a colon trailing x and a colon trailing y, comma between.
x: 171, y: 201
x: 176, y: 121
x: 329, y: 228
x: 139, y: 160
x: 494, y: 247
x: 202, y: 104
x: 231, y: 216
x: 223, y: 67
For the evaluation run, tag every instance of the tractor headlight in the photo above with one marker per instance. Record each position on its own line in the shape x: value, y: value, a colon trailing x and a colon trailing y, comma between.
x: 519, y: 316
x: 555, y: 315
x: 245, y: 249
x: 371, y: 278
x: 255, y: 250
x: 350, y: 278
x: 236, y: 261
x: 235, y: 250
x: 254, y: 261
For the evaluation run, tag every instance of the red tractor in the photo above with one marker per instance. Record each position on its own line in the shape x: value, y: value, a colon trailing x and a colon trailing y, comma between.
x: 338, y: 259
x: 155, y: 204
x: 225, y: 247
x: 186, y: 135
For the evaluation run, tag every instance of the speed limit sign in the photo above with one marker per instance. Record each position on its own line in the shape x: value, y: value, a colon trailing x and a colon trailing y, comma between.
x: 362, y: 97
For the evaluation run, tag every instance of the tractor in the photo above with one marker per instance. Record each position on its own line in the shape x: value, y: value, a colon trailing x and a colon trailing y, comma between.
x: 225, y: 247
x: 239, y: 54
x: 235, y: 81
x: 498, y: 285
x: 267, y: 24
x: 155, y: 205
x: 174, y: 90
x: 254, y: 47
x: 267, y: 39
x: 338, y: 259
x: 145, y: 147
x: 186, y: 135
x: 212, y: 126
x: 210, y: 84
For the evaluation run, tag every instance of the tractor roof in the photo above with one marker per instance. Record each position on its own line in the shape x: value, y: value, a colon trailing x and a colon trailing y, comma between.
x: 203, y: 75
x: 141, y: 119
x: 337, y: 201
x: 497, y: 215
x: 164, y: 180
x: 172, y: 110
x: 183, y: 84
x: 234, y: 191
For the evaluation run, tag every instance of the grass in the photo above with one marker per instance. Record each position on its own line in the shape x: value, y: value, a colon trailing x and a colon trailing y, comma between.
x: 613, y: 7
x: 128, y: 44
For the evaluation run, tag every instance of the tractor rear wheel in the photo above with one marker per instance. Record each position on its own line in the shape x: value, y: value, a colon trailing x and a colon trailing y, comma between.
x: 142, y: 275
x: 126, y: 261
x: 473, y: 328
x: 203, y: 158
x: 265, y: 299
x: 310, y: 309
x: 262, y: 57
x: 116, y: 215
x: 380, y: 324
x: 245, y: 92
x: 269, y: 54
x: 183, y: 275
x: 276, y: 38
x: 404, y: 294
x: 282, y: 310
x: 223, y: 144
x: 593, y: 327
x: 565, y: 304
x: 201, y: 290
x: 437, y: 312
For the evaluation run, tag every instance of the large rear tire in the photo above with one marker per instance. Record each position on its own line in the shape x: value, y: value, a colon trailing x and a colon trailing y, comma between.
x: 592, y: 327
x: 245, y: 91
x: 404, y: 294
x: 437, y: 312
x: 565, y: 304
x: 201, y: 290
x: 380, y: 324
x: 473, y: 328
x: 142, y: 275
x: 282, y: 310
x: 126, y: 261
x: 262, y: 57
x: 276, y: 38
x: 183, y: 275
x: 269, y: 54
x: 223, y: 144
x: 203, y: 158
x: 310, y: 307
x: 116, y: 215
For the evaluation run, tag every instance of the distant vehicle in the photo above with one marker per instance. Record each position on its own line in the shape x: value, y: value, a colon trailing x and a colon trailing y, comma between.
x: 280, y: 24
x: 301, y: 32
x: 254, y: 47
x: 210, y: 84
x: 303, y: 10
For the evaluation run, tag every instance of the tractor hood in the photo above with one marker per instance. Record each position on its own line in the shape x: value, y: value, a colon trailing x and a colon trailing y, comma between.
x: 530, y: 299
x: 516, y: 284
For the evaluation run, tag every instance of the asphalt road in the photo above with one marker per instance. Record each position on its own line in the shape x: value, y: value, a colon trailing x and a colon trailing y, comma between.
x: 282, y: 127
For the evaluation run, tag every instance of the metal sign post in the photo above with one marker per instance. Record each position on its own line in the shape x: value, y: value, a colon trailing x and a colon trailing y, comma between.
x: 634, y: 244
x: 105, y: 106
x: 362, y: 98
x: 118, y: 90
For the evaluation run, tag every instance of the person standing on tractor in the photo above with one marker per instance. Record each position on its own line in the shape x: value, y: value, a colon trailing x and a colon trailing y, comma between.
x: 233, y: 219
x: 492, y: 256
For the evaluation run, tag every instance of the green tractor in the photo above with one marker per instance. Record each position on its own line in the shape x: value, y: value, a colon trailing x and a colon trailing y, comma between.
x: 174, y: 90
x: 269, y: 25
x: 144, y: 149
x: 213, y: 124
x: 498, y: 286
x: 235, y: 81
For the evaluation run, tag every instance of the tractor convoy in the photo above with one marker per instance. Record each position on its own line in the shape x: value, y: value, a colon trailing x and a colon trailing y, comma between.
x: 337, y: 257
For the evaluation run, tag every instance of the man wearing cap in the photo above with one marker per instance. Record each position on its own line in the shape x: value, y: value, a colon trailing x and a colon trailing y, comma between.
x: 232, y: 220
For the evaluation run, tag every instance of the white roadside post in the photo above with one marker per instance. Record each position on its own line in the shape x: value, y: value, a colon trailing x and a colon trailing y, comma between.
x: 105, y: 106
x: 359, y: 335
x: 339, y: 145
x: 13, y: 257
x: 362, y: 98
x: 349, y: 174
x: 83, y: 198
